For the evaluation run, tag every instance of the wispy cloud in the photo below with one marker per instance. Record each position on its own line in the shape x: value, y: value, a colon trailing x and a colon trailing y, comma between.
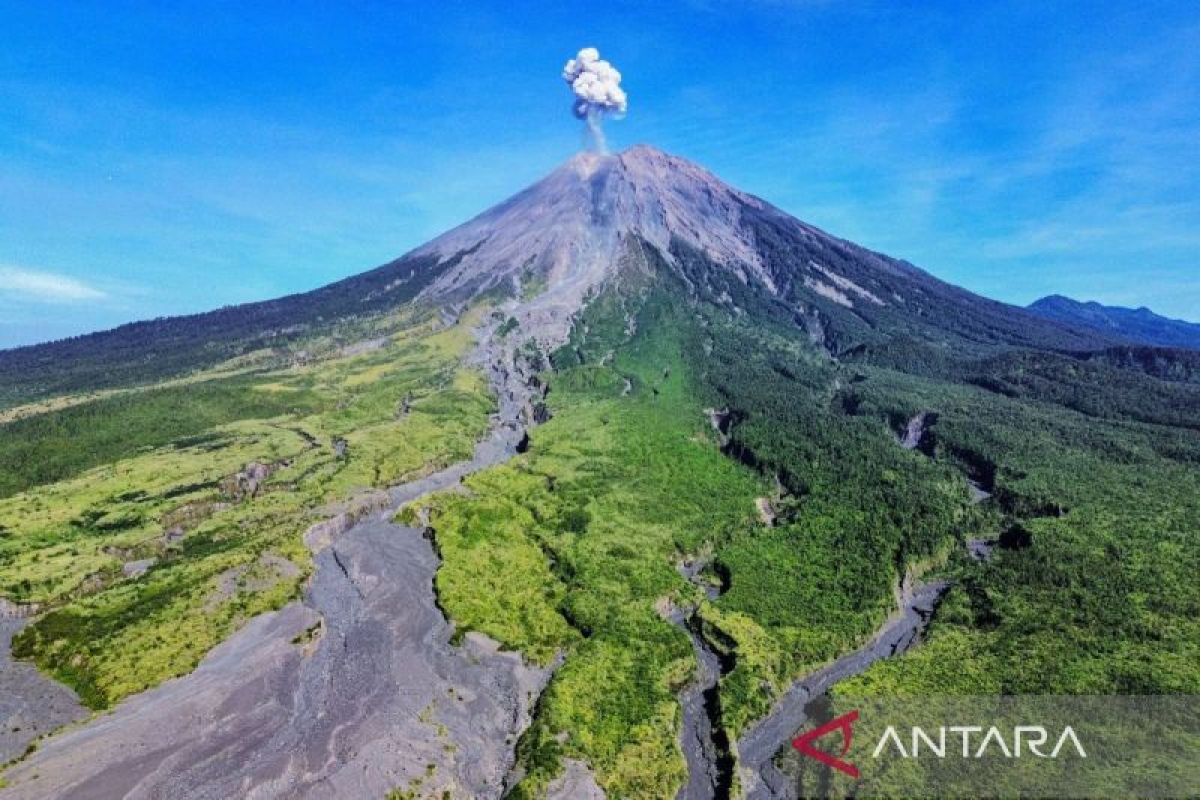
x: 46, y: 287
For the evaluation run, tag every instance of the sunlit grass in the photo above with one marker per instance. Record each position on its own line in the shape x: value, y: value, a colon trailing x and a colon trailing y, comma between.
x: 221, y: 556
x: 570, y: 548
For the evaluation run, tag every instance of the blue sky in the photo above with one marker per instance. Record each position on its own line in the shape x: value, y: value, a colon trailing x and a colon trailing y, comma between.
x: 158, y: 159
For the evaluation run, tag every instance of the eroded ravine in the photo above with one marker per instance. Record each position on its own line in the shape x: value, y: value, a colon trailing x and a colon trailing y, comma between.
x: 705, y: 746
x: 757, y: 748
x: 31, y: 704
x: 760, y: 777
x: 353, y: 692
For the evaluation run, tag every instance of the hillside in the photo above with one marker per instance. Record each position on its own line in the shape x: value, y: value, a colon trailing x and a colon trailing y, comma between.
x: 572, y: 499
x: 555, y: 236
x: 144, y: 352
x: 1139, y: 325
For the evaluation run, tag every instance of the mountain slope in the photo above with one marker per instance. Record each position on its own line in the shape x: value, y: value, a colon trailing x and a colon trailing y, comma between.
x: 1139, y: 325
x: 145, y: 352
x: 567, y: 233
x: 705, y: 492
x: 561, y: 239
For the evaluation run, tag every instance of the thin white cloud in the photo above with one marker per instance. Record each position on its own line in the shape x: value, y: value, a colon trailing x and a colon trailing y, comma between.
x: 46, y: 287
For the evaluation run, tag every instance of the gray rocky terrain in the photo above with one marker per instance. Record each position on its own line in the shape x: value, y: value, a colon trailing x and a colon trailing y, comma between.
x: 571, y: 229
x: 709, y: 768
x: 353, y: 692
x: 31, y: 704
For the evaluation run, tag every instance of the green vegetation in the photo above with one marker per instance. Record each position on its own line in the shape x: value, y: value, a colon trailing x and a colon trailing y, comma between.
x: 271, y: 331
x: 1095, y: 593
x: 1104, y: 598
x: 571, y: 548
x: 692, y: 417
x: 508, y: 326
x: 215, y: 481
x: 51, y: 447
x: 855, y: 511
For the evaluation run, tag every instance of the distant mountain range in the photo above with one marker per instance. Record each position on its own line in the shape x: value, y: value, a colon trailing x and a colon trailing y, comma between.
x: 1140, y: 324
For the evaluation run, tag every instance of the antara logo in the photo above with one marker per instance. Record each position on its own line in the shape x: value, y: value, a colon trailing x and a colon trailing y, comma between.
x: 1032, y: 739
x: 845, y: 724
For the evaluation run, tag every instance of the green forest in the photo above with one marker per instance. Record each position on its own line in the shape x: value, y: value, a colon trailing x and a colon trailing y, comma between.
x: 1092, y: 472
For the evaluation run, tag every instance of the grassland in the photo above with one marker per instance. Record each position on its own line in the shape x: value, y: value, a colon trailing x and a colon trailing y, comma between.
x: 572, y: 548
x: 215, y: 481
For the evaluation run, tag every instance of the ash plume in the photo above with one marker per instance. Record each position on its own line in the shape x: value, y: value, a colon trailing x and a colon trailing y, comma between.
x: 597, y: 87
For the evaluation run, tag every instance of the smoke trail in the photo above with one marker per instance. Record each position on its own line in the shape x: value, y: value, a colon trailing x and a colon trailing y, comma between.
x: 598, y: 93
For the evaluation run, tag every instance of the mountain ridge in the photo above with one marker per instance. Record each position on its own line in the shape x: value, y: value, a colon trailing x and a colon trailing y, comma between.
x: 1138, y: 324
x: 563, y: 235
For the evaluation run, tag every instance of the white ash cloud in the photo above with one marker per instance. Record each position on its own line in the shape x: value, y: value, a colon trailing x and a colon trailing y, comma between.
x: 596, y: 85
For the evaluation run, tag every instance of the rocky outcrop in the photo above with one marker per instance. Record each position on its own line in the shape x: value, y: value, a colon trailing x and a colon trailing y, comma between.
x: 916, y: 435
x: 720, y: 420
x: 138, y: 568
x: 173, y: 535
x: 766, y: 511
x: 11, y: 610
x: 321, y: 534
x: 980, y: 549
x: 245, y: 484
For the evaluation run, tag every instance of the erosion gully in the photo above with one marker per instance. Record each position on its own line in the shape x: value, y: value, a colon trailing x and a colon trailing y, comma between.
x: 352, y: 692
x: 758, y: 746
x: 705, y: 745
x: 357, y: 710
x: 711, y: 764
x: 31, y: 704
x: 759, y: 776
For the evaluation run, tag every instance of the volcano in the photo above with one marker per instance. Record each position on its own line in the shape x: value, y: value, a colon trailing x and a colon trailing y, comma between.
x: 569, y: 235
x: 602, y: 492
x: 573, y: 230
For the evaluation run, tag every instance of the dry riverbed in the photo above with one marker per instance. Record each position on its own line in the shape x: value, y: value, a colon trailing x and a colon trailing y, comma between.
x: 353, y: 692
x: 31, y: 704
x: 760, y: 777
